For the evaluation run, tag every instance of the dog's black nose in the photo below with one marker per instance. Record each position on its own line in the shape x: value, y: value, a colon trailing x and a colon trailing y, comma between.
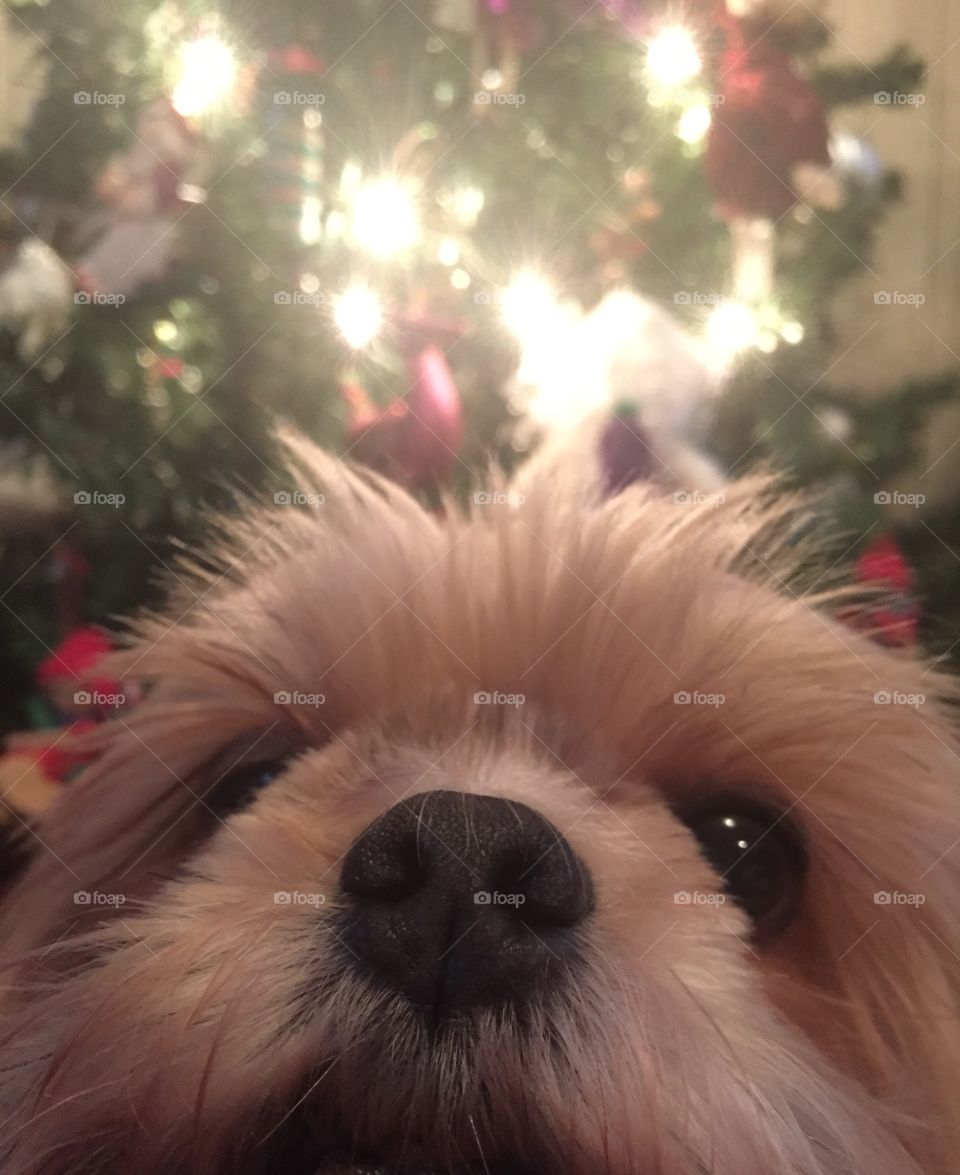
x: 460, y: 901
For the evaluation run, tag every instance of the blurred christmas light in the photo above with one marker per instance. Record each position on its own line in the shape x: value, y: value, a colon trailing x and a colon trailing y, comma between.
x: 672, y: 57
x: 467, y: 205
x: 208, y: 72
x: 694, y: 124
x: 460, y: 279
x: 310, y: 220
x: 529, y: 306
x: 733, y: 327
x: 384, y: 217
x: 358, y: 315
x: 448, y: 251
x: 792, y: 333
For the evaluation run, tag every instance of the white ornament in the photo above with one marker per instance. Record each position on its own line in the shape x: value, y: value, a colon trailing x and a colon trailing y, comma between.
x: 36, y: 297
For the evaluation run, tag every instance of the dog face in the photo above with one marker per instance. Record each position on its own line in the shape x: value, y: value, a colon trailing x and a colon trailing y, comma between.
x: 543, y: 840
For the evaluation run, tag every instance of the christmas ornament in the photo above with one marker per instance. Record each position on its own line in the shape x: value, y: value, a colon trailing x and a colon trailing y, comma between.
x: 417, y: 438
x: 293, y: 165
x: 626, y: 450
x: 767, y: 148
x: 894, y: 619
x: 36, y: 295
x: 144, y: 193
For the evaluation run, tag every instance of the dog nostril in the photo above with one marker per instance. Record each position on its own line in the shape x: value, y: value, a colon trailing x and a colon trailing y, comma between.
x: 389, y: 866
x: 458, y: 900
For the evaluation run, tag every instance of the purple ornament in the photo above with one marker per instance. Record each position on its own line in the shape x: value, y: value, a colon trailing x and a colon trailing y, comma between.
x: 626, y: 451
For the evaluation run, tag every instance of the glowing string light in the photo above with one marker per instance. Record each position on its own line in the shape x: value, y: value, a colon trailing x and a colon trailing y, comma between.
x: 208, y: 73
x: 358, y: 315
x: 733, y: 327
x: 384, y: 218
x: 672, y: 57
x: 529, y: 306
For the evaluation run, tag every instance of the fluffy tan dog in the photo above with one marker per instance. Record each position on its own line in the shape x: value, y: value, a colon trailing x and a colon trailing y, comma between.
x: 544, y: 840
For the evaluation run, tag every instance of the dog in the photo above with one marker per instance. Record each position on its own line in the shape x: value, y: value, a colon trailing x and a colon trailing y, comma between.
x: 560, y: 835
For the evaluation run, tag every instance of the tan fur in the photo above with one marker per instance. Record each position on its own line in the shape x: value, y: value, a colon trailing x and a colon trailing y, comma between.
x: 164, y: 1034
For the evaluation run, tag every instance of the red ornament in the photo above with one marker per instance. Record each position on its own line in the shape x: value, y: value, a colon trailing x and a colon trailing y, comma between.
x: 767, y: 120
x: 417, y: 438
x: 893, y: 620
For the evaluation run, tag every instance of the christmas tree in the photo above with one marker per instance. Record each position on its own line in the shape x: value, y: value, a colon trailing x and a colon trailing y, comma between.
x: 362, y: 217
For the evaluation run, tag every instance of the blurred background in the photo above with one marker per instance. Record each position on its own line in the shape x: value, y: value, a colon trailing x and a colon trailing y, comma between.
x: 680, y: 238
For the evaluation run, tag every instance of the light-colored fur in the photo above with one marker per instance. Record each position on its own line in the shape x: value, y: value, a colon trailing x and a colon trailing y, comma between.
x: 172, y: 1031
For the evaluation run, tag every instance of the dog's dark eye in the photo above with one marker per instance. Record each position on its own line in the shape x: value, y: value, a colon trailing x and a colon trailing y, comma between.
x: 759, y: 856
x: 238, y: 787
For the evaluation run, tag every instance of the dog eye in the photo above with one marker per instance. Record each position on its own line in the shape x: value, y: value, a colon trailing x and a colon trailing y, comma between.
x: 759, y: 856
x: 237, y: 789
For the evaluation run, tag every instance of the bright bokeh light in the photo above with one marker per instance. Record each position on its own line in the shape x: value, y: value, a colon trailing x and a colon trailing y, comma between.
x: 733, y: 327
x: 672, y: 57
x: 694, y: 124
x: 358, y: 315
x: 529, y: 306
x: 792, y: 333
x: 384, y: 217
x: 208, y: 72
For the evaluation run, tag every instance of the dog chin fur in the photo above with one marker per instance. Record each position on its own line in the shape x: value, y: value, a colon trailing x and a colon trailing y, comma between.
x: 187, y: 1029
